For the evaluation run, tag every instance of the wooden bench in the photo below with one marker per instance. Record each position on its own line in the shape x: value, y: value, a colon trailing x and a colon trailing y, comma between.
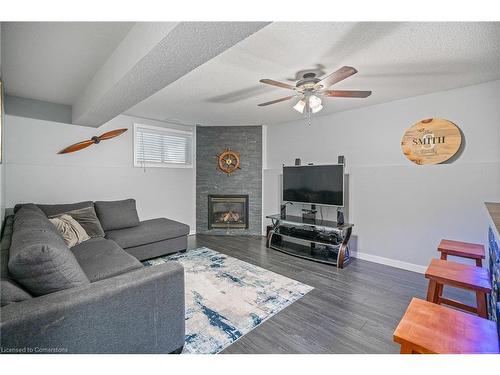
x: 462, y: 250
x: 441, y: 272
x: 428, y: 328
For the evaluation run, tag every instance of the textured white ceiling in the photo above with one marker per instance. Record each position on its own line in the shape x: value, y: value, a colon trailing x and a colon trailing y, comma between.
x: 54, y: 61
x: 394, y: 60
x: 181, y: 48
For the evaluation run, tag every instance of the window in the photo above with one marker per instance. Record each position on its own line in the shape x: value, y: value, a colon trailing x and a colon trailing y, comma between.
x: 156, y: 146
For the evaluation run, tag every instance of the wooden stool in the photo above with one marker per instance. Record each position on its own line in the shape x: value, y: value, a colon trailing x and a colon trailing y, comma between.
x: 442, y: 272
x: 428, y: 328
x: 462, y: 250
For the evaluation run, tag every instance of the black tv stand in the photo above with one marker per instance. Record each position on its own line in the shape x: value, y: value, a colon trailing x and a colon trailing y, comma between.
x: 322, y: 241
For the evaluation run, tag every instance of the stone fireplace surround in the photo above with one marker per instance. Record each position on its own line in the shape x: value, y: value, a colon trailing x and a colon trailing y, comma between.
x: 210, y: 141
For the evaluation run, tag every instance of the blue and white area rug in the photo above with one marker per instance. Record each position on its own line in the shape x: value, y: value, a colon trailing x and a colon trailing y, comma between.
x: 226, y: 298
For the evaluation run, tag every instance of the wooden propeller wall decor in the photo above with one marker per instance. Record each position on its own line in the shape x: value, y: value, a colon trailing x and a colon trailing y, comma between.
x: 94, y: 140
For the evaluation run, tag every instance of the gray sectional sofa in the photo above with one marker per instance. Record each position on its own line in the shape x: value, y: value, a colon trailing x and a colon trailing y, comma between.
x: 95, y: 297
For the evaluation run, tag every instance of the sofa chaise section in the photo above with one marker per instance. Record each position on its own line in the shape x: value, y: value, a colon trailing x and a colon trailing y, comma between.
x: 151, y: 238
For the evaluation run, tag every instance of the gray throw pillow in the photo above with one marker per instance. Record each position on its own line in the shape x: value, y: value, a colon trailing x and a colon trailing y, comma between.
x: 117, y: 214
x: 87, y: 218
x: 29, y: 206
x: 56, y: 209
x: 39, y: 259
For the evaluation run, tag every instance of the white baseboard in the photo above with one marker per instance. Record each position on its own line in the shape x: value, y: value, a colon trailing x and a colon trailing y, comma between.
x: 376, y: 259
x: 389, y: 262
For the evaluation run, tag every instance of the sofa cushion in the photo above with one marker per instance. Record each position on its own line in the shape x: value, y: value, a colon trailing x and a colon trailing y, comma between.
x: 87, y: 218
x: 101, y: 259
x: 5, y: 245
x: 157, y: 249
x: 56, y: 209
x: 148, y: 231
x: 39, y: 259
x: 10, y: 292
x: 29, y: 207
x: 117, y: 214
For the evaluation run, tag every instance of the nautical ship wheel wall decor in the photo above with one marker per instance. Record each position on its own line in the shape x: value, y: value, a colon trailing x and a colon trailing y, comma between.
x: 228, y: 161
x: 431, y: 141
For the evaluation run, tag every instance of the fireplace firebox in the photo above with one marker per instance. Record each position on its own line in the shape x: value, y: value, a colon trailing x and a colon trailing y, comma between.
x: 228, y: 212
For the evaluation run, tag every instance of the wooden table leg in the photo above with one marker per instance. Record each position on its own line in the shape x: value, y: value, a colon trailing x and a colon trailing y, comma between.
x: 479, y: 262
x: 482, y: 309
x: 432, y: 291
x: 444, y: 256
x: 439, y: 293
x: 406, y: 349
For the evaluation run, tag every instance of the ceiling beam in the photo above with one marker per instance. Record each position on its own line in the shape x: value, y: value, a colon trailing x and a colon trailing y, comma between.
x: 150, y: 57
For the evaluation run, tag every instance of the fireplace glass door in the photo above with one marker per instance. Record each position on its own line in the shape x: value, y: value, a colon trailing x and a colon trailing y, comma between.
x: 228, y: 212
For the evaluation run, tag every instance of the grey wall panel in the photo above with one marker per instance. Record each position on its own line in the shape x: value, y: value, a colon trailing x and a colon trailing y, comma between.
x: 210, y: 141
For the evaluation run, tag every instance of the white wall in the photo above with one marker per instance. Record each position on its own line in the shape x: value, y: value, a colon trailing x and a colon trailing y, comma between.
x: 34, y: 172
x: 401, y: 210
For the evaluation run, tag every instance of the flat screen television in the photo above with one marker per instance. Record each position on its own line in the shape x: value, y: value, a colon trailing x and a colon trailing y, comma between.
x: 314, y: 184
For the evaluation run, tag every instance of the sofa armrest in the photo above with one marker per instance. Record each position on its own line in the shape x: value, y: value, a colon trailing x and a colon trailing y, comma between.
x: 137, y: 312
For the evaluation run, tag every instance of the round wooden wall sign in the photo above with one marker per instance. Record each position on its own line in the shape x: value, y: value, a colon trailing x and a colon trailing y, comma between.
x: 431, y: 141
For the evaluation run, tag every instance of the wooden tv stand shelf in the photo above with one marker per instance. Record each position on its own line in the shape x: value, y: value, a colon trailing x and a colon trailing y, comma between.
x: 318, y: 240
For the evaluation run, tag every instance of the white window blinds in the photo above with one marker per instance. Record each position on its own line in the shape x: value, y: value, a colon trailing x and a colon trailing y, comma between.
x: 155, y: 146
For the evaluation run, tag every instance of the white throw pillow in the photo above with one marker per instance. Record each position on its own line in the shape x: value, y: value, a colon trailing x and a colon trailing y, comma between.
x: 71, y: 231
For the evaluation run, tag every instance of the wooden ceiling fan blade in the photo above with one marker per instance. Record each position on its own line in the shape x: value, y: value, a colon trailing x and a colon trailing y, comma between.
x: 276, y: 101
x: 346, y: 93
x: 337, y: 76
x: 112, y: 134
x: 272, y: 82
x: 76, y: 147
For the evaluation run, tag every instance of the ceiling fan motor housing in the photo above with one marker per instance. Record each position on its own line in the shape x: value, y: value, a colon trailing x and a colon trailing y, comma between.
x: 96, y: 139
x: 308, y: 81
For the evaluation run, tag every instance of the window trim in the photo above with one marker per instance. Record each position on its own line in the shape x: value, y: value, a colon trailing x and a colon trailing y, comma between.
x: 170, y: 130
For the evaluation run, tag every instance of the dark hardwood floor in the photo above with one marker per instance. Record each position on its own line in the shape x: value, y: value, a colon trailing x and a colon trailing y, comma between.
x: 353, y: 310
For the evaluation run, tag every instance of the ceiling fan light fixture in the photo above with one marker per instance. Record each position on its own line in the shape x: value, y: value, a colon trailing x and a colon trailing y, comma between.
x: 314, y: 101
x: 316, y: 108
x: 299, y: 107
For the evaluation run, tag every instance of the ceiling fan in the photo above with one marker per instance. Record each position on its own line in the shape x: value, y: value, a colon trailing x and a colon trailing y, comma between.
x: 310, y: 89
